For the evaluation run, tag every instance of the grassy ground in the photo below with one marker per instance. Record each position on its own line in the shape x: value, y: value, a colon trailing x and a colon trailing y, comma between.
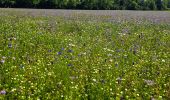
x: 84, y: 57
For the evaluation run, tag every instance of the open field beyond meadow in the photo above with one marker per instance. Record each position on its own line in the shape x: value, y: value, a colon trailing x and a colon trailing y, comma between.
x: 84, y: 55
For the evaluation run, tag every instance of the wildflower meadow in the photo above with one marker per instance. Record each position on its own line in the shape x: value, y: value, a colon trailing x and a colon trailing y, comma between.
x: 88, y: 55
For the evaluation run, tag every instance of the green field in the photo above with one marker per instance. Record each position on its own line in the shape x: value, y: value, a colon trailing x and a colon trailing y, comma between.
x: 81, y: 56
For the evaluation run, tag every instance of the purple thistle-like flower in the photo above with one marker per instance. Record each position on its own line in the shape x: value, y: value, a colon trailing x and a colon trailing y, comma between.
x: 3, y: 92
x: 70, y: 50
x: 2, y: 61
x: 49, y: 50
x: 103, y: 81
x: 10, y: 45
x: 69, y: 65
x: 62, y: 49
x: 118, y: 50
x: 79, y: 55
x: 59, y: 53
x: 116, y: 64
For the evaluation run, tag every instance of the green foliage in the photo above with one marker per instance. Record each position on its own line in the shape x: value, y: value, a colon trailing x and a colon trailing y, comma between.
x: 168, y: 4
x: 24, y: 3
x: 132, y: 4
x: 89, y: 4
x: 150, y: 5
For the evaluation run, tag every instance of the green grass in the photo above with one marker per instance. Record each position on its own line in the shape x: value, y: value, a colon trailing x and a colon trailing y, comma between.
x: 51, y: 58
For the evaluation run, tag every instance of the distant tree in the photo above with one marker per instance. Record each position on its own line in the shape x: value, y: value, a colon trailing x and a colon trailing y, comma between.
x: 141, y: 4
x: 61, y: 3
x: 165, y: 4
x: 42, y: 4
x: 115, y: 5
x: 7, y: 3
x: 150, y: 5
x: 50, y: 3
x: 35, y: 3
x: 73, y: 4
x: 24, y: 3
x: 168, y: 5
x: 132, y: 5
x: 118, y: 4
x: 105, y: 4
x: 89, y: 4
x: 159, y: 4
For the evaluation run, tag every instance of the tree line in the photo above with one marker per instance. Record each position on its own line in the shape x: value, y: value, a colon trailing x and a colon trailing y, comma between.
x: 89, y: 4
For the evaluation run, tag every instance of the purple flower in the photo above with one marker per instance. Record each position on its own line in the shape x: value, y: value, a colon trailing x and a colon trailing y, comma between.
x: 49, y: 50
x: 59, y: 53
x: 2, y: 61
x: 3, y: 92
x: 79, y: 55
x: 62, y: 49
x: 69, y: 65
x: 10, y: 45
x: 103, y: 81
x: 70, y: 51
x: 118, y: 50
x: 116, y: 64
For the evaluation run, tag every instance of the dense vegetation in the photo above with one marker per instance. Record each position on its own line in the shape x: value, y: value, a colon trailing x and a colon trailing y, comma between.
x: 51, y: 58
x: 89, y: 4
